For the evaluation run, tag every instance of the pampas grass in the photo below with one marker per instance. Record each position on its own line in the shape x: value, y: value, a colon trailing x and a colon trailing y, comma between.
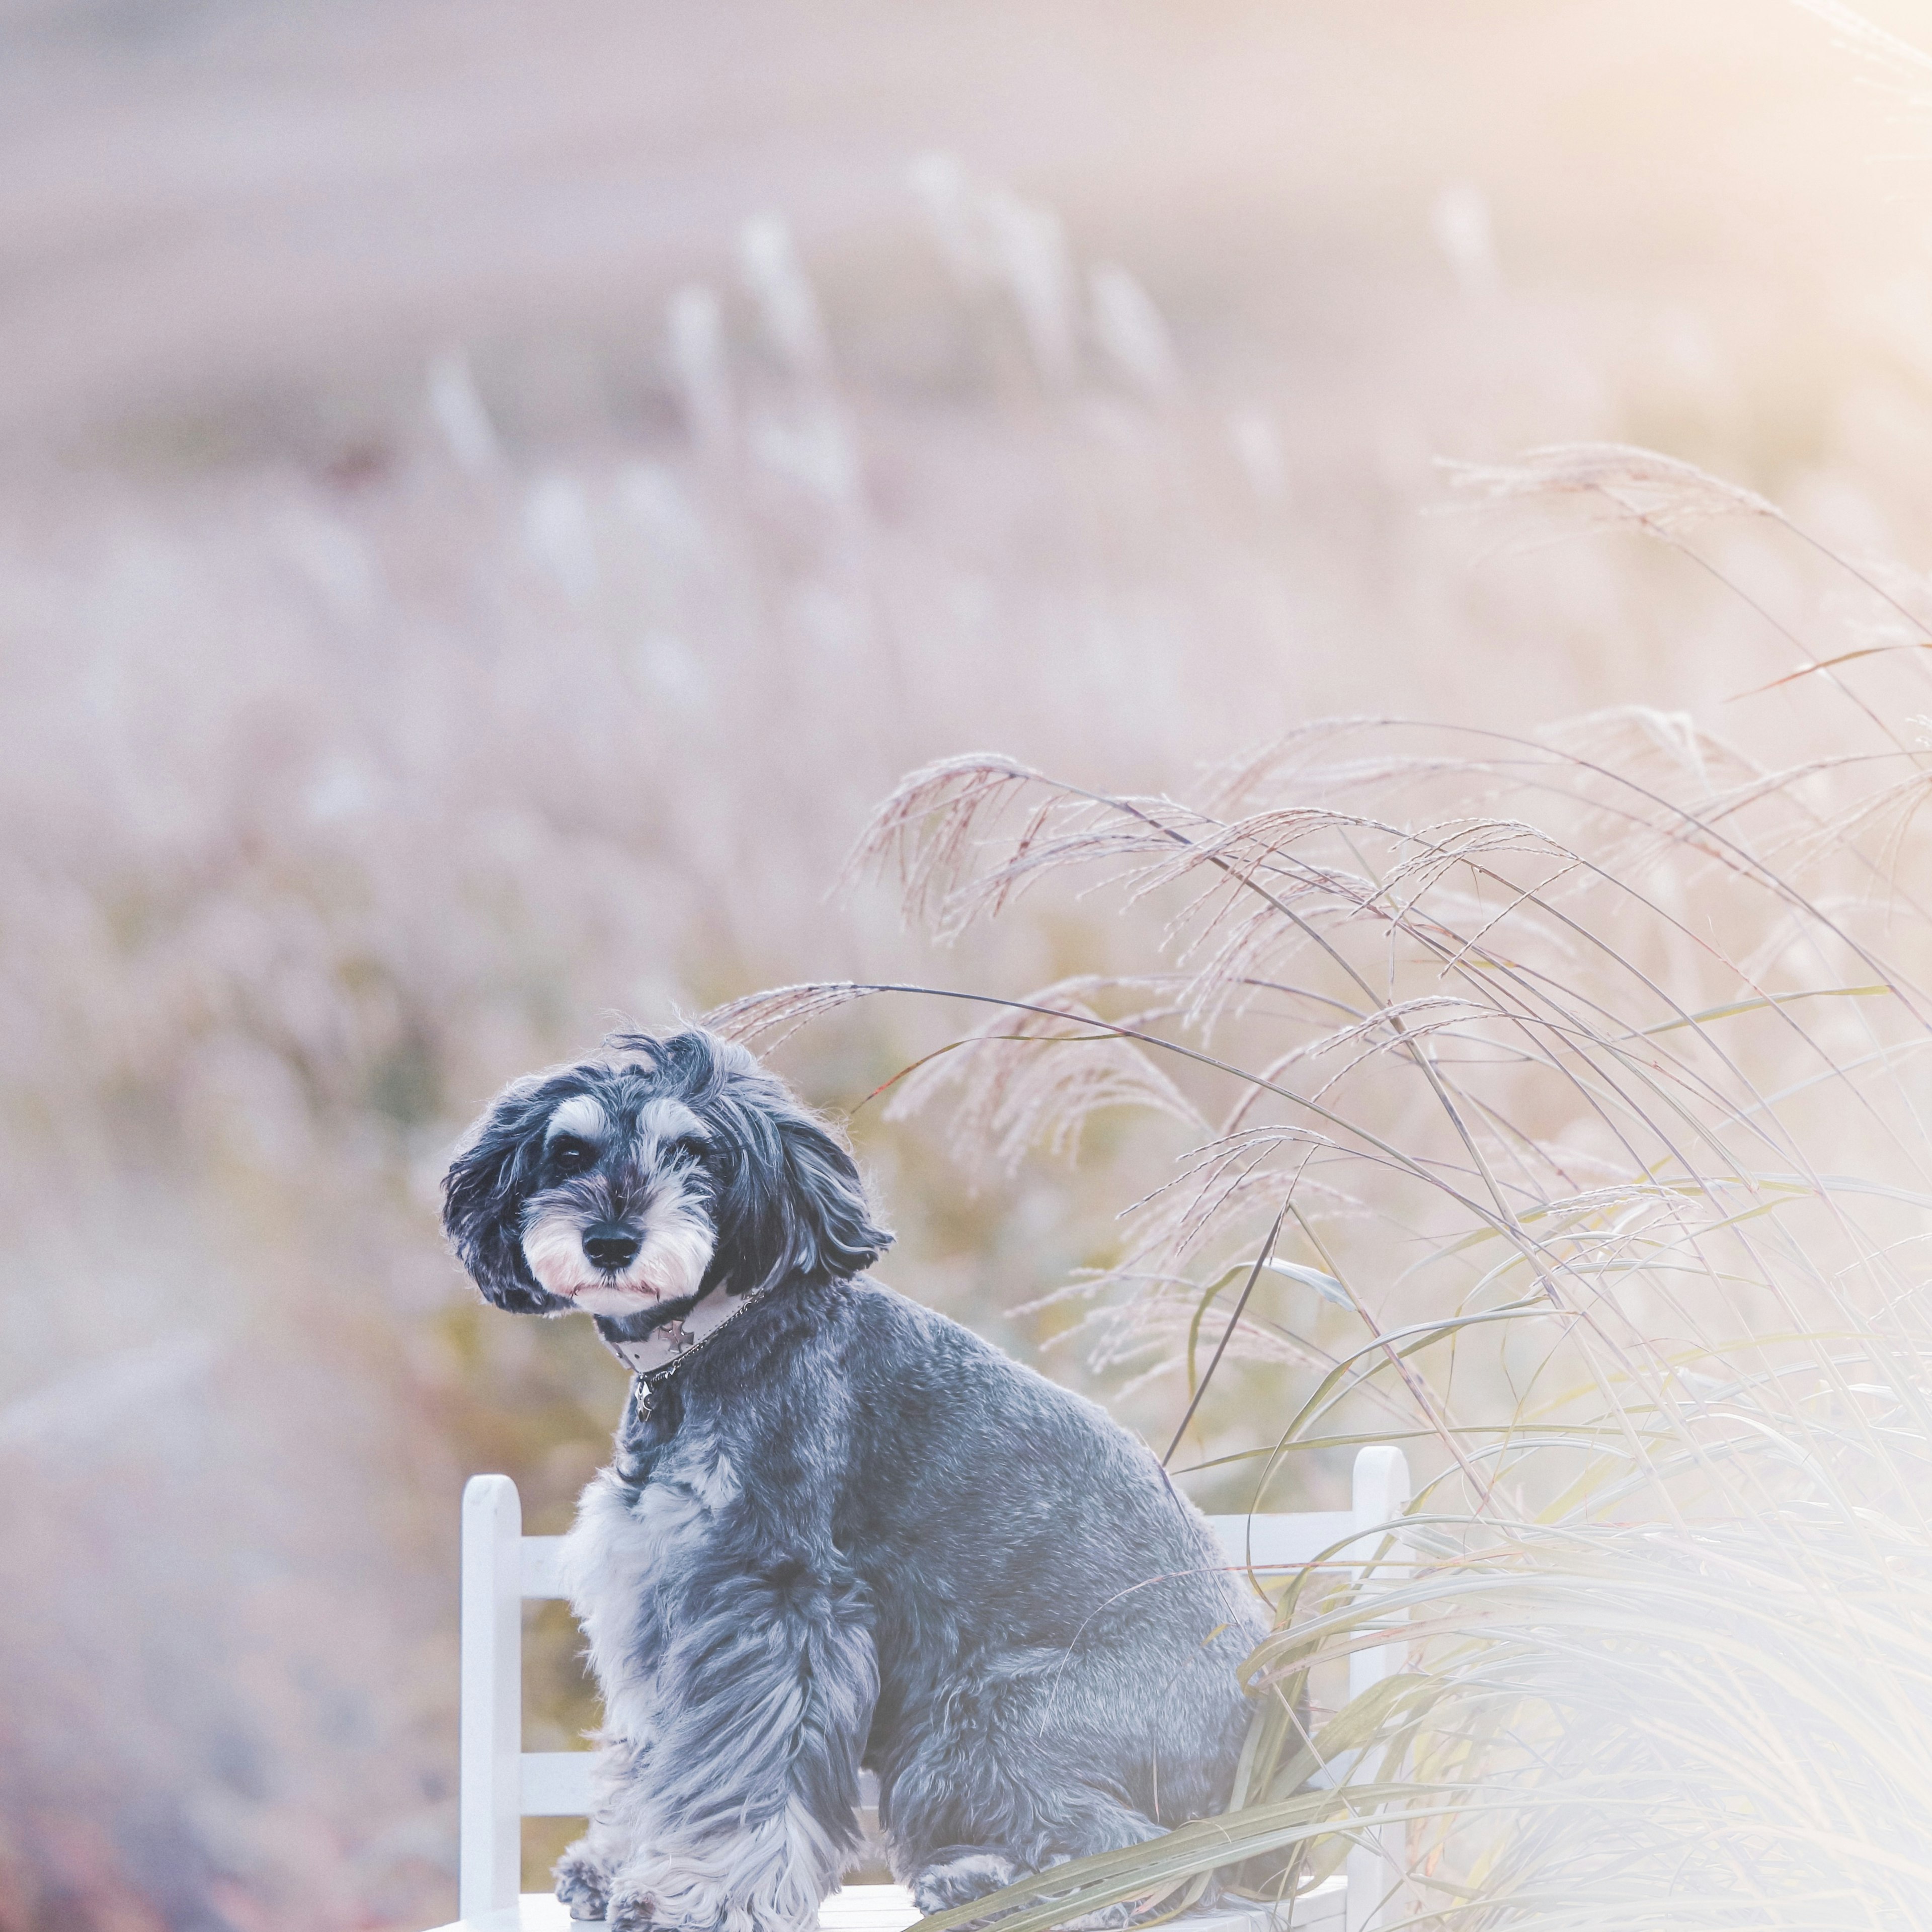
x: 1557, y: 1107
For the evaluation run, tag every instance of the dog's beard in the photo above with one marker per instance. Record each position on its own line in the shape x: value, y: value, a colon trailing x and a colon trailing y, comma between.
x: 678, y: 1243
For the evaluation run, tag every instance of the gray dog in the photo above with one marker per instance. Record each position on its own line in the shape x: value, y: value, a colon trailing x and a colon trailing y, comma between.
x: 839, y: 1530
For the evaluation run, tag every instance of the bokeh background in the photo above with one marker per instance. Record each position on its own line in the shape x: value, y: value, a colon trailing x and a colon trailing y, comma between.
x: 490, y: 497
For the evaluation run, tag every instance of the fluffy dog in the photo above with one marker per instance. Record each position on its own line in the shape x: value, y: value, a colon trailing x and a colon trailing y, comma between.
x: 839, y: 1530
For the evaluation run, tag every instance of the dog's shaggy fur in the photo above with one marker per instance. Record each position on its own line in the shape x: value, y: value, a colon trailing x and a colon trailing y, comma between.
x: 845, y: 1532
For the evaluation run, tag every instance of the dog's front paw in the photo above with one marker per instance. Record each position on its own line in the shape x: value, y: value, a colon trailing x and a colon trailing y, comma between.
x: 630, y: 1910
x: 958, y: 1879
x: 581, y: 1884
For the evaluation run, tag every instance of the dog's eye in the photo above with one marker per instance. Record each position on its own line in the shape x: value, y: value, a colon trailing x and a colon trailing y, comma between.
x: 688, y: 1150
x: 569, y: 1155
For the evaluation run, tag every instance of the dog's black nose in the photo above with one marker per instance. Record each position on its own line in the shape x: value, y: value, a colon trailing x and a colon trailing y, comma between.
x: 611, y: 1245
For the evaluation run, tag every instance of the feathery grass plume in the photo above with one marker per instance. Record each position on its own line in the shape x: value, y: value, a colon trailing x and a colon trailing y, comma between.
x: 941, y: 814
x: 1614, y: 483
x: 1568, y: 1126
x: 766, y: 1020
x: 1026, y: 1097
x: 919, y: 833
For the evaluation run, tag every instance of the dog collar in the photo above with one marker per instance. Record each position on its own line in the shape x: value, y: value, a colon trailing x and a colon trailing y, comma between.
x: 671, y: 1344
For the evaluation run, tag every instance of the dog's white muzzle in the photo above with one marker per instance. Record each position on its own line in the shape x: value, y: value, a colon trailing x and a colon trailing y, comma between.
x: 670, y: 1263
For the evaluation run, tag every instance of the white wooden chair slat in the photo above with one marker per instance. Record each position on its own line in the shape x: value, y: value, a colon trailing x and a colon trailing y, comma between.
x: 1275, y: 1542
x: 541, y: 1567
x: 1380, y: 1494
x: 556, y: 1784
x: 502, y: 1784
x: 489, y: 1785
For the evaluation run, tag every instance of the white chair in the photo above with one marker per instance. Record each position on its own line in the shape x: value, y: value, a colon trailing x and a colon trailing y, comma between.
x: 502, y: 1784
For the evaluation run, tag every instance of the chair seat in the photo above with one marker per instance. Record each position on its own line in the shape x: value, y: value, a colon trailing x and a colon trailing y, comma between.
x: 889, y: 1908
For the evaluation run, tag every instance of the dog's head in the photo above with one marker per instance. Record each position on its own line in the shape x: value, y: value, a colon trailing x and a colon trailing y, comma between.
x: 649, y: 1175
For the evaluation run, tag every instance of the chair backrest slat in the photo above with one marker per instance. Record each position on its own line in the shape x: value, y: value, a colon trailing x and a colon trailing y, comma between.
x: 490, y: 1785
x: 556, y: 1784
x: 1283, y: 1542
x: 541, y: 1568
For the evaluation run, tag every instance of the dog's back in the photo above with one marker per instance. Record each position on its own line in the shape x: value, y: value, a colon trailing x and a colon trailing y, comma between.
x: 1035, y: 1573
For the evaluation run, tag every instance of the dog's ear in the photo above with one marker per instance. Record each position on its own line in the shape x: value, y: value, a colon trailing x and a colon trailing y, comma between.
x: 483, y: 1196
x: 789, y: 1199
x: 831, y: 1233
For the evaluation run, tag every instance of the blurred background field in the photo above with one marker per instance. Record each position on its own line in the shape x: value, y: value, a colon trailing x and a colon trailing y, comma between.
x: 489, y: 501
